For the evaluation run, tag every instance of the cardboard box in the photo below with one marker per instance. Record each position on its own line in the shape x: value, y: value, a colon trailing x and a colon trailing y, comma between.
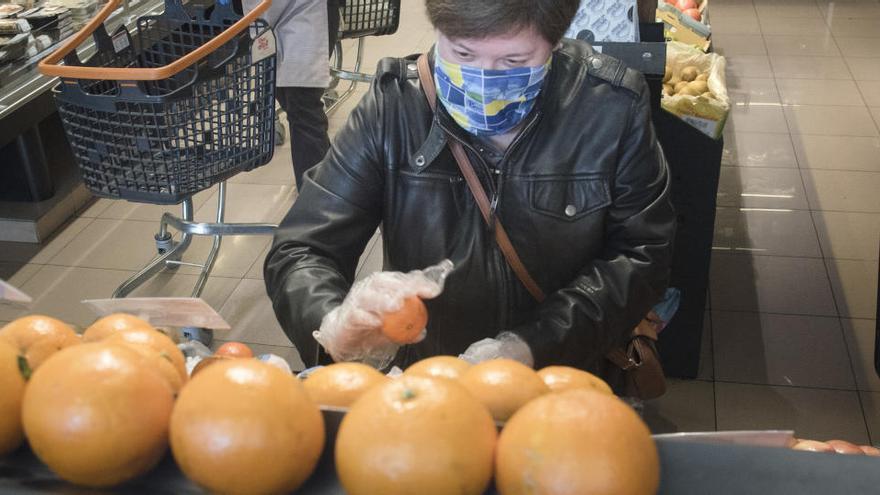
x: 680, y: 27
x: 707, y: 114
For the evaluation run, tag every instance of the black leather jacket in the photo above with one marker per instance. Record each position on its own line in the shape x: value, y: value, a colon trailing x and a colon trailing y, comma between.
x: 583, y: 193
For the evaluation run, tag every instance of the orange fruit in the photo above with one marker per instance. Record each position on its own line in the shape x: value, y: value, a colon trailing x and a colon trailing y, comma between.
x: 110, y: 324
x: 245, y: 426
x: 234, y: 349
x: 503, y: 385
x: 812, y: 446
x: 11, y: 392
x: 97, y: 415
x: 439, y: 366
x: 560, y: 378
x: 341, y: 384
x: 208, y: 361
x: 405, y: 325
x: 576, y: 442
x: 37, y: 337
x: 157, y: 341
x: 416, y: 435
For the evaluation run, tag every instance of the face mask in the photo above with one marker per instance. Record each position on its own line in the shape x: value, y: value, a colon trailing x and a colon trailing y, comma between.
x: 487, y: 102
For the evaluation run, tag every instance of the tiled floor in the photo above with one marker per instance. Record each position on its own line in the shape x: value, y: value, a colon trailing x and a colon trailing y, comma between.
x: 789, y: 340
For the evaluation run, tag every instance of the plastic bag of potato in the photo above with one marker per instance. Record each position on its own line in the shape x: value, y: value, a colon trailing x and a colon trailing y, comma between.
x: 695, y: 89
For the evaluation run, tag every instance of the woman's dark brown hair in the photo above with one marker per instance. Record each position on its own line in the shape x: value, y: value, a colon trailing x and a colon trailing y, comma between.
x: 477, y: 19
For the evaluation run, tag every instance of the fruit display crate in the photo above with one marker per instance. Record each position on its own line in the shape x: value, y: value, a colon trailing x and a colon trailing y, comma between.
x: 686, y: 468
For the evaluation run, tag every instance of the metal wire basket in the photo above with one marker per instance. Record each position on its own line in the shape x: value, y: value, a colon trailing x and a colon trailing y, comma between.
x: 184, y: 102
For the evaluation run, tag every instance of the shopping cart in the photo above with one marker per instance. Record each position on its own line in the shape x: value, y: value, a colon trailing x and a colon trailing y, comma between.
x: 183, y: 103
x: 359, y: 19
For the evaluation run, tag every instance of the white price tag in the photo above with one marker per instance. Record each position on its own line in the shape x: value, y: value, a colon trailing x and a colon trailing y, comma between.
x: 11, y: 293
x: 706, y: 126
x: 163, y: 311
x: 263, y: 46
x: 120, y: 41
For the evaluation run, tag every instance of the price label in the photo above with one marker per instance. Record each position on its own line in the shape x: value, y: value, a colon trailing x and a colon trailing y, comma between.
x: 263, y: 46
x: 9, y: 292
x: 163, y: 311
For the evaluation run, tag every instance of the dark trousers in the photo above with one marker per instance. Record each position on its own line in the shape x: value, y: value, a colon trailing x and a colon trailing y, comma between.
x: 306, y: 119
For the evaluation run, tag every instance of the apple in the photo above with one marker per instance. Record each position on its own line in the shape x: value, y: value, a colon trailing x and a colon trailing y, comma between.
x: 694, y: 14
x: 683, y: 5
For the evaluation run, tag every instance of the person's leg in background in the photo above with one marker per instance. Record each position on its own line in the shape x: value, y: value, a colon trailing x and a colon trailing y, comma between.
x: 309, y: 139
x: 308, y: 124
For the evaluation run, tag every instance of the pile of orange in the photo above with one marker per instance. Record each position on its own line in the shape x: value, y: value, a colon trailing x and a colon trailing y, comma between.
x: 104, y: 408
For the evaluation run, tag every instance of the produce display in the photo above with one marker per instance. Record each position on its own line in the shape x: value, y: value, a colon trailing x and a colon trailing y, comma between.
x: 503, y: 386
x: 341, y: 384
x: 695, y: 88
x: 105, y: 410
x: 439, y: 367
x: 686, y: 21
x: 689, y: 8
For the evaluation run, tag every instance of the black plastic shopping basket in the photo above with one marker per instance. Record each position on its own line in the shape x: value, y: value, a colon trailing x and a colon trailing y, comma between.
x: 184, y: 102
x: 369, y: 18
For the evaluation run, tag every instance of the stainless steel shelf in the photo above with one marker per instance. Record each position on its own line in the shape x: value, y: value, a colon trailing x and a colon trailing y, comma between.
x: 24, y: 82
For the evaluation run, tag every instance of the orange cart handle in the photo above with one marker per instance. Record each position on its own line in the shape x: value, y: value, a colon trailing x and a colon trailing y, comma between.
x: 49, y: 65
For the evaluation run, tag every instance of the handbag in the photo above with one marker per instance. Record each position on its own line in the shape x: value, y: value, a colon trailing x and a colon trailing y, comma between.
x: 636, y: 363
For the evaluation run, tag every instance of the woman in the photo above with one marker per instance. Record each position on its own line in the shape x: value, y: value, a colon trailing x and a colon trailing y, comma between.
x: 563, y: 143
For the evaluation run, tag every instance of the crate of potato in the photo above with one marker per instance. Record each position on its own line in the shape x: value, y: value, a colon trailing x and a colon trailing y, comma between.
x: 694, y: 88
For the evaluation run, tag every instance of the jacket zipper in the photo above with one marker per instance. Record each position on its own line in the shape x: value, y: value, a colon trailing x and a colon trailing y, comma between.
x: 500, y: 261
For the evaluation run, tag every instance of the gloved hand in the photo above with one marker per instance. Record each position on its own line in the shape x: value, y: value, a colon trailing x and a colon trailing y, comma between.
x: 352, y: 331
x: 505, y: 345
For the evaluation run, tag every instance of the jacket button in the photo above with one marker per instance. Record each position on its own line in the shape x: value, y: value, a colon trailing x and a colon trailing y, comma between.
x: 570, y: 210
x: 596, y: 63
x: 420, y: 161
x: 411, y: 67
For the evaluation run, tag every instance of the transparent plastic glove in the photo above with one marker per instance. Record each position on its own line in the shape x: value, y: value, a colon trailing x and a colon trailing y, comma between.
x: 352, y: 331
x: 505, y: 345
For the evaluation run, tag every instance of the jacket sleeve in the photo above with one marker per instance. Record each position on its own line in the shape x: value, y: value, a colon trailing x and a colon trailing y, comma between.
x: 581, y: 322
x: 311, y: 264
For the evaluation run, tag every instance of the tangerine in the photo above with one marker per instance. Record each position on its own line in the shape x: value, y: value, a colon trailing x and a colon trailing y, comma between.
x: 234, y: 349
x: 577, y: 442
x: 405, y: 325
x: 156, y: 341
x: 37, y: 337
x: 12, y: 387
x: 245, y: 426
x: 503, y: 385
x: 110, y: 324
x: 560, y: 378
x: 416, y: 435
x: 439, y: 366
x: 97, y: 415
x: 341, y: 384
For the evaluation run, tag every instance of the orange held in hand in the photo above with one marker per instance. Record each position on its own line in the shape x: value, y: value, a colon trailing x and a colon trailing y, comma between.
x: 405, y: 325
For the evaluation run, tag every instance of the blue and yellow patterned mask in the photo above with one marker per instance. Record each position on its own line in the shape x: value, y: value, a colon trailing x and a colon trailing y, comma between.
x: 487, y: 102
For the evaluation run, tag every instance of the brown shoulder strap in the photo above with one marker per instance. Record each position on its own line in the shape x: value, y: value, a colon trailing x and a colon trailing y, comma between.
x: 467, y: 170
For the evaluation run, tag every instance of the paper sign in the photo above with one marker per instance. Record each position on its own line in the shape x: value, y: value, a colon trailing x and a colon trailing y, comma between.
x: 11, y: 293
x: 605, y: 20
x: 163, y: 311
x: 758, y: 438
